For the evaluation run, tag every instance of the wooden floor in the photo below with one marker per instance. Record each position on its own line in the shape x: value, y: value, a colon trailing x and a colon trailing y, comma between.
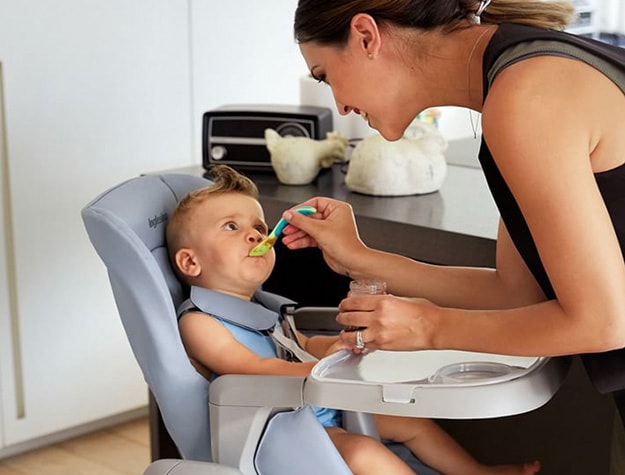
x: 121, y: 450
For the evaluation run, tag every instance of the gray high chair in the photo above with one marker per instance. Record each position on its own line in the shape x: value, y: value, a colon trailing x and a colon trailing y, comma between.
x: 251, y: 425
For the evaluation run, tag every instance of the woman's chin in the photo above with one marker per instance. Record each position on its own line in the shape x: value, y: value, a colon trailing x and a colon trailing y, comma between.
x: 391, y: 135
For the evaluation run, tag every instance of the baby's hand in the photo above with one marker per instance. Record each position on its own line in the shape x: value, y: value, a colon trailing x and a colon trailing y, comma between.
x: 337, y: 346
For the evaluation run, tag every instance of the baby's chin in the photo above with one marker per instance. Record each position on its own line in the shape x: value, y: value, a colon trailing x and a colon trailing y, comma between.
x: 266, y: 261
x: 256, y: 280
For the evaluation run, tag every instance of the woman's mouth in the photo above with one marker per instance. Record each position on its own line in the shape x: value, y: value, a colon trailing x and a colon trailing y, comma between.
x: 361, y: 113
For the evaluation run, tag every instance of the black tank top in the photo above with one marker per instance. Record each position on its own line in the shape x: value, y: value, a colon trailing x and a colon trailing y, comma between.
x: 512, y: 43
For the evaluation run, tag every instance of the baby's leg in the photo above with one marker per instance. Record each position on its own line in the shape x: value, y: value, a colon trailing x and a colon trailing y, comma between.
x: 433, y: 446
x: 365, y: 455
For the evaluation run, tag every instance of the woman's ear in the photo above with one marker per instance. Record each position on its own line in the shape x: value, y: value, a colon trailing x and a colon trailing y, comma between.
x: 365, y: 34
x: 187, y: 263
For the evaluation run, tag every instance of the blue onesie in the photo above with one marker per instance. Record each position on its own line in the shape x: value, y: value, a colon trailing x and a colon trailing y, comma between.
x: 243, y: 322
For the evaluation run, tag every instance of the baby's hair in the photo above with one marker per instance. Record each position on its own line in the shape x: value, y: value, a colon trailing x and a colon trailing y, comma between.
x: 225, y: 180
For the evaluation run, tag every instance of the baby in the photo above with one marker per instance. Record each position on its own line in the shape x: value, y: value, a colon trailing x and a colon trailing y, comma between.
x: 209, y: 236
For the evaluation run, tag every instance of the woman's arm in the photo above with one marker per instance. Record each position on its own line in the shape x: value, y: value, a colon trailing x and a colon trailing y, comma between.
x: 559, y: 130
x: 547, y: 140
x: 510, y: 285
x: 336, y: 234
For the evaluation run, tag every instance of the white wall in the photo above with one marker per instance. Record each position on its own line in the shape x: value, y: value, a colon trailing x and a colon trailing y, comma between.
x: 243, y: 53
x: 611, y: 15
x: 95, y: 92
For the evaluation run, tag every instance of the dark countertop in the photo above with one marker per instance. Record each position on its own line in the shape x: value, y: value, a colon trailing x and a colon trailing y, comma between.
x: 456, y: 225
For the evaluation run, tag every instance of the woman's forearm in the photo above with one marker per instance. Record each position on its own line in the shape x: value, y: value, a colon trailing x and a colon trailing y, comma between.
x: 448, y: 286
x: 542, y: 329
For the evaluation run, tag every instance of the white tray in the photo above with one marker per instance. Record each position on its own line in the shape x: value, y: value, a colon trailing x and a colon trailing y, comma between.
x: 441, y: 384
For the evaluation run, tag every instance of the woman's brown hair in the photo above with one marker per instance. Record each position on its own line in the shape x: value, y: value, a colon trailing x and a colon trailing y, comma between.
x: 327, y: 21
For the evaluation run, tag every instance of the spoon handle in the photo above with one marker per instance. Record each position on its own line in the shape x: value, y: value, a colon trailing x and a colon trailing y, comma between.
x: 305, y: 210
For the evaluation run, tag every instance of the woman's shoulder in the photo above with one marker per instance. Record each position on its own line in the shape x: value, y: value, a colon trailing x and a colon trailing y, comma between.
x: 528, y: 98
x: 516, y: 43
x: 535, y: 82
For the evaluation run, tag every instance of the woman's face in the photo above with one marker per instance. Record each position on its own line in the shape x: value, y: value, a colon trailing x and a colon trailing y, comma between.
x: 365, y: 81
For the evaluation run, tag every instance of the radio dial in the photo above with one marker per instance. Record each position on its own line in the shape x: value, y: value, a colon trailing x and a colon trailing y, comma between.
x: 292, y: 129
x: 218, y: 152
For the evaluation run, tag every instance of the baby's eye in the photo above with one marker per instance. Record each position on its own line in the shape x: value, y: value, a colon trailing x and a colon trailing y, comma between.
x: 261, y: 229
x: 231, y: 226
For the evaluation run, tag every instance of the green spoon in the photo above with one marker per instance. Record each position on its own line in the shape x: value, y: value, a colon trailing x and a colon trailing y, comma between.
x: 266, y: 244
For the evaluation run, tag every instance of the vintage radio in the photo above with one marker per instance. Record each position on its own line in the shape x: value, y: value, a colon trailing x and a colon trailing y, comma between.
x: 235, y: 134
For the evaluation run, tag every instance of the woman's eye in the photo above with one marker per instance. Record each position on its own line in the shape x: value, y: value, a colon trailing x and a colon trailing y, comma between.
x: 322, y: 79
x: 231, y: 226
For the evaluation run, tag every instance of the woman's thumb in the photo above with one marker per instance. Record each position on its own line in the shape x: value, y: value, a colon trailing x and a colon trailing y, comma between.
x: 291, y: 216
x: 297, y: 219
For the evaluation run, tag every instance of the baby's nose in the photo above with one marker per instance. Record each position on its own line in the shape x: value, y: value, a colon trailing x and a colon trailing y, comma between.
x: 254, y: 236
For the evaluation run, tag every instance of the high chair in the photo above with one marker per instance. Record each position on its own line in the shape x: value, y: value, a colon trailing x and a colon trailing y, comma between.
x: 255, y: 424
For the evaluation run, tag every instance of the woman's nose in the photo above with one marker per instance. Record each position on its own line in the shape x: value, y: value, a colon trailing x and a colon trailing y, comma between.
x: 343, y: 109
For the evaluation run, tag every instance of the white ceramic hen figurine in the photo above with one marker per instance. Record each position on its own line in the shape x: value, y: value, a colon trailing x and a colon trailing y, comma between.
x: 298, y: 160
x: 414, y: 164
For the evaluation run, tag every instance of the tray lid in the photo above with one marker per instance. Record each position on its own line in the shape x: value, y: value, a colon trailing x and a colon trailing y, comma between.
x: 428, y: 367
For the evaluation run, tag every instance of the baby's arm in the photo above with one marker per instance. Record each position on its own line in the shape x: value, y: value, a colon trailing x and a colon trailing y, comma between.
x: 211, y: 345
x: 321, y: 345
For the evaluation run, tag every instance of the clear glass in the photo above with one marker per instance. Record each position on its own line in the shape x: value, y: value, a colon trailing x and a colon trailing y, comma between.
x: 367, y: 287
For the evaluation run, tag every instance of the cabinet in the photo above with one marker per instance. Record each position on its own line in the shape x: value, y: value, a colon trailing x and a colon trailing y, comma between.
x: 93, y: 92
x: 4, y: 303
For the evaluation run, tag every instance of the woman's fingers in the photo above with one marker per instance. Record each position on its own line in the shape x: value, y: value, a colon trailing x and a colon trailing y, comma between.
x: 387, y: 322
x: 295, y: 238
x: 356, y: 339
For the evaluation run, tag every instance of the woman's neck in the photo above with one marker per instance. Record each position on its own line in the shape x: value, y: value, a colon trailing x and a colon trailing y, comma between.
x: 450, y: 69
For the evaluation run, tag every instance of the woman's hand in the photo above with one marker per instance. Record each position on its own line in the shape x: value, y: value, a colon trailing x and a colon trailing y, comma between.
x: 388, y: 322
x: 332, y: 229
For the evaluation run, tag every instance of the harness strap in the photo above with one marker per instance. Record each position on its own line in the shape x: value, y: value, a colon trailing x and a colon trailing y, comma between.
x: 264, y: 314
x: 289, y: 349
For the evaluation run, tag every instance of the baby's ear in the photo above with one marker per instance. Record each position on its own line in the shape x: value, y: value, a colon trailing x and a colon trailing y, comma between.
x: 186, y: 262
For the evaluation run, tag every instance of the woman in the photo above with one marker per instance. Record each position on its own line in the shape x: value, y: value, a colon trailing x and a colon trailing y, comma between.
x: 553, y: 152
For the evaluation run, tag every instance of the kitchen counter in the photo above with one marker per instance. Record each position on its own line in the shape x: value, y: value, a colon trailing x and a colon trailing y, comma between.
x: 456, y: 225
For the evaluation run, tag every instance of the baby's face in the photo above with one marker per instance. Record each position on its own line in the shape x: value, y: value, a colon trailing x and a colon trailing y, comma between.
x: 226, y: 227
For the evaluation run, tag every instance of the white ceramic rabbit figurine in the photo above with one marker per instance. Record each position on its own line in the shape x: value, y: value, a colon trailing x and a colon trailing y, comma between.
x: 298, y: 160
x: 414, y: 164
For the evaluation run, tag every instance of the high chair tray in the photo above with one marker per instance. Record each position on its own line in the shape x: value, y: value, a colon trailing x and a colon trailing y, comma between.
x: 442, y: 384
